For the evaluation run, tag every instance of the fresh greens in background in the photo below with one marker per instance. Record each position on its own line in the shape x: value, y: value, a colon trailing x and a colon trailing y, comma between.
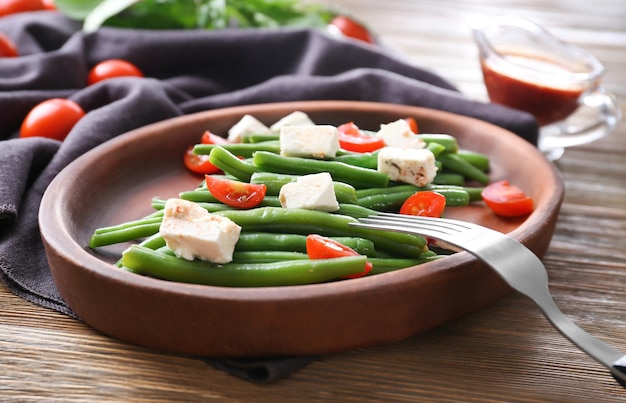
x: 192, y: 14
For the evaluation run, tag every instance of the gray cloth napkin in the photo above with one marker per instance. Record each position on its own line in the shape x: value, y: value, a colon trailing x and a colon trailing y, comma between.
x: 186, y: 72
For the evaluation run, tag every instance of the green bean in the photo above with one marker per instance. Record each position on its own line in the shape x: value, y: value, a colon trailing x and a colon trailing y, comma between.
x: 198, y: 195
x: 260, y: 137
x: 449, y: 142
x: 291, y: 272
x: 240, y: 149
x: 301, y: 221
x: 455, y: 163
x: 342, y: 172
x: 475, y: 193
x: 391, y: 198
x: 383, y: 265
x: 153, y: 242
x: 229, y: 163
x: 270, y: 201
x: 480, y: 161
x: 401, y: 187
x: 355, y: 210
x: 361, y: 245
x: 268, y: 256
x: 263, y: 256
x: 435, y: 148
x: 344, y: 192
x: 393, y: 201
x: 251, y: 241
x: 131, y: 224
x: 449, y: 178
x: 139, y: 230
x: 271, y: 241
x: 268, y: 241
x: 363, y: 160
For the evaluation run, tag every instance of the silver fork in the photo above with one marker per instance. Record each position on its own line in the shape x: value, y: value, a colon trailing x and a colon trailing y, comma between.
x: 516, y: 264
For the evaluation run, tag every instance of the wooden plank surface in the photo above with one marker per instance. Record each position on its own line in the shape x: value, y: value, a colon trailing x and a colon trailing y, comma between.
x: 505, y: 353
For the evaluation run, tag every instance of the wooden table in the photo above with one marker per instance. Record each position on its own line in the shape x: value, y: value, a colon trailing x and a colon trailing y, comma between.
x: 508, y: 352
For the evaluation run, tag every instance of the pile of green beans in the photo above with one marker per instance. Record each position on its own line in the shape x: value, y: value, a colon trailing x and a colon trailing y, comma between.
x: 271, y: 250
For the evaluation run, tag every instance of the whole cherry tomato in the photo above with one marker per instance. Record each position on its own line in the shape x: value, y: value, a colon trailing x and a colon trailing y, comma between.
x: 350, y: 28
x: 19, y: 6
x: 112, y: 68
x: 7, y: 47
x: 53, y: 118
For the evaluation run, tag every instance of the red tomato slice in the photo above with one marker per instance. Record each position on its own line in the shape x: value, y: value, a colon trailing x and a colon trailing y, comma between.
x: 7, y: 47
x: 350, y: 28
x: 507, y: 200
x: 320, y: 247
x: 413, y: 124
x: 112, y: 68
x: 353, y: 139
x: 210, y: 138
x: 53, y: 118
x: 198, y: 163
x: 426, y: 204
x: 236, y: 194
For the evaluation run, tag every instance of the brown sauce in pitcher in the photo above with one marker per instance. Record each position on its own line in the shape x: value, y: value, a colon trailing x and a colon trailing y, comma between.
x: 548, y: 101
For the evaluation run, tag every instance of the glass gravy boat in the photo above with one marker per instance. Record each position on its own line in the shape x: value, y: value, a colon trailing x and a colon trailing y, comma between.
x: 527, y: 68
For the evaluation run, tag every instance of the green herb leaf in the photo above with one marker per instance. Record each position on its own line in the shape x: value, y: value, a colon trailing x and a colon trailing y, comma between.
x: 194, y: 14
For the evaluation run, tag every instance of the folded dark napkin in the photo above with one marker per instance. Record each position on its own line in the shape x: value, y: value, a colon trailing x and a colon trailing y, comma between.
x: 186, y: 71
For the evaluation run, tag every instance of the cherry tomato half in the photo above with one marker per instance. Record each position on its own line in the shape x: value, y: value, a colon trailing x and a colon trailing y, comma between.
x: 199, y: 163
x: 320, y: 247
x: 53, y: 118
x: 19, y: 6
x: 236, y: 194
x: 112, y: 68
x: 353, y: 139
x: 426, y: 204
x: 210, y: 138
x: 350, y: 28
x: 507, y: 200
x: 7, y: 47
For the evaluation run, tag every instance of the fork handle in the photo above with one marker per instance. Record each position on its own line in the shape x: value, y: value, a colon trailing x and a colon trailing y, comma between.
x: 606, y: 355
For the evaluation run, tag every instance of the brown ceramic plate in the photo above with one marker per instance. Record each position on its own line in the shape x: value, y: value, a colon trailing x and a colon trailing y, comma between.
x: 116, y: 181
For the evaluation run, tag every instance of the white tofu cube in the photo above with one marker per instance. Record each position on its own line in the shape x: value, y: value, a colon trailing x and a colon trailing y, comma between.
x: 399, y: 134
x: 313, y: 192
x: 247, y: 125
x: 192, y: 232
x: 409, y: 165
x: 317, y: 141
x: 296, y: 118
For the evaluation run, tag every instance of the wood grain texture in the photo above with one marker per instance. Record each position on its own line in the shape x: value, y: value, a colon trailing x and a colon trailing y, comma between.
x: 505, y: 353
